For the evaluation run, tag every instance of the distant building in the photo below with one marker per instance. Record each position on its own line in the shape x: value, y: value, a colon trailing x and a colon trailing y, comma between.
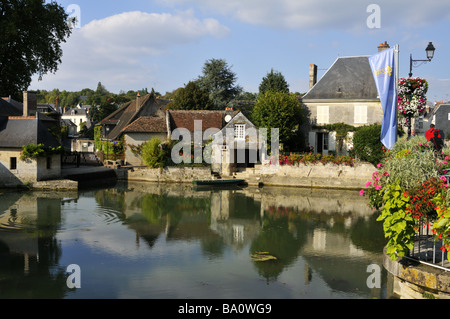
x: 77, y: 116
x: 441, y: 117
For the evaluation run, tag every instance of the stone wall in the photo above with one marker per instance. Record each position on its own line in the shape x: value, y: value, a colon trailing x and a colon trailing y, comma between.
x: 312, y: 175
x: 168, y: 174
x: 28, y: 171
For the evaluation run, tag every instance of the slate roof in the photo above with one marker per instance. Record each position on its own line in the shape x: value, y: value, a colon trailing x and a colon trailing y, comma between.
x: 7, y: 109
x: 349, y: 78
x: 18, y: 131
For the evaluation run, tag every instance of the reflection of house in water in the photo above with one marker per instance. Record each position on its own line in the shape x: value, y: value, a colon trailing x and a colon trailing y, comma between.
x: 25, y: 215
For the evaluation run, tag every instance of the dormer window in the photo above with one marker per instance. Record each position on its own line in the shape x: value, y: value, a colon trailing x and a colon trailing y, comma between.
x: 239, y: 131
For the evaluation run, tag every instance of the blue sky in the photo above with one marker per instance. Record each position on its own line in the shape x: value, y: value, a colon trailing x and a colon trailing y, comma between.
x: 163, y: 44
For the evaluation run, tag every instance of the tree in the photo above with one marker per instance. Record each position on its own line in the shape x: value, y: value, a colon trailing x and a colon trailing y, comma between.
x: 278, y: 110
x: 219, y: 81
x: 30, y: 42
x: 274, y: 81
x: 191, y: 97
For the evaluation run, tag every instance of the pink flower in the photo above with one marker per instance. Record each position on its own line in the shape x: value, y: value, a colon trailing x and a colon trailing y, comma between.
x: 378, y: 187
x: 368, y: 184
x: 442, y: 178
x: 362, y: 192
x: 380, y: 165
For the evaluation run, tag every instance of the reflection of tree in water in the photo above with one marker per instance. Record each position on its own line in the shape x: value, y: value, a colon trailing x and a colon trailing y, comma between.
x: 282, y: 236
x: 368, y: 235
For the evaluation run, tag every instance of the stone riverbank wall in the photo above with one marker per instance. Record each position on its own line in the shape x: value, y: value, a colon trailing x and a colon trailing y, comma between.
x: 312, y: 176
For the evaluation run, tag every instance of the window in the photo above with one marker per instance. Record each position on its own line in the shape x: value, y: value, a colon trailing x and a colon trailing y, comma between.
x: 360, y: 114
x: 323, y: 114
x: 325, y: 142
x: 13, y: 163
x: 239, y: 131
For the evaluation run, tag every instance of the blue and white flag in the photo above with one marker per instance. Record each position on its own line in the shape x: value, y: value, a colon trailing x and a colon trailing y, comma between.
x: 383, y: 68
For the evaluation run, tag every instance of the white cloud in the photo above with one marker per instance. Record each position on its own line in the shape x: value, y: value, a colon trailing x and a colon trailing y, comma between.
x: 318, y: 14
x: 117, y: 50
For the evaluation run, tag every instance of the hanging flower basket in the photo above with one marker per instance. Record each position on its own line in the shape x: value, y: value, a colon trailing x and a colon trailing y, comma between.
x: 412, y: 97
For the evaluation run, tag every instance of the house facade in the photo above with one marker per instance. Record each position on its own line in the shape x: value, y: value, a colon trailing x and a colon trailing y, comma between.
x: 16, y: 132
x: 441, y: 117
x: 346, y: 94
x: 77, y: 116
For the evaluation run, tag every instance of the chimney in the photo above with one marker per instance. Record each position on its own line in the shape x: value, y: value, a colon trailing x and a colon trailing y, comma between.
x: 29, y: 103
x: 137, y: 101
x: 312, y: 75
x: 383, y: 46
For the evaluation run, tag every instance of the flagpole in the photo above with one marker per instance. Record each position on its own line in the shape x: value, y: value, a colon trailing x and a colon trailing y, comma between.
x: 397, y: 64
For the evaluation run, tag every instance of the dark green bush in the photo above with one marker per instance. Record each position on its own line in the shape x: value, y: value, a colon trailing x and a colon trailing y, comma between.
x: 367, y: 145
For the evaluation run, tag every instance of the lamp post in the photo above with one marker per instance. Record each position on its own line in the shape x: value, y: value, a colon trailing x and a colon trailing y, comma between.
x: 430, y: 54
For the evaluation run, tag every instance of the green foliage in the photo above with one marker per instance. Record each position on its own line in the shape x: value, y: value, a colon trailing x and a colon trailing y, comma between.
x: 191, y: 97
x: 278, y: 110
x: 219, y: 81
x: 32, y: 151
x: 30, y: 42
x: 398, y: 225
x: 114, y: 148
x: 153, y: 154
x: 367, y: 145
x: 411, y: 163
x: 274, y: 81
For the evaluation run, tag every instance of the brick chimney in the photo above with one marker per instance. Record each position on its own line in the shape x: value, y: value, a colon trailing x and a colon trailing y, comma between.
x: 29, y: 103
x: 383, y: 46
x: 312, y: 75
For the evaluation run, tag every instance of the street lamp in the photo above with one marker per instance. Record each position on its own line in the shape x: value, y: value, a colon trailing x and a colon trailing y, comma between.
x: 430, y: 54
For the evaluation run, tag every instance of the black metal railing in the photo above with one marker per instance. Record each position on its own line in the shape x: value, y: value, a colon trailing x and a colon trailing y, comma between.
x: 428, y: 249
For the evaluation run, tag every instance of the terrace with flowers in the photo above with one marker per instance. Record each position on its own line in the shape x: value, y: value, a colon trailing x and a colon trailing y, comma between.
x: 410, y: 189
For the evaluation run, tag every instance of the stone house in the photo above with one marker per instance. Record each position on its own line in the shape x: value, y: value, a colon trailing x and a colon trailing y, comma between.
x: 347, y: 94
x: 441, y: 117
x: 16, y: 130
x: 145, y: 118
x: 77, y: 116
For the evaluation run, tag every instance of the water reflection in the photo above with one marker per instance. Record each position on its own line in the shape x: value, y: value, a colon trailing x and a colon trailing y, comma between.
x: 142, y: 240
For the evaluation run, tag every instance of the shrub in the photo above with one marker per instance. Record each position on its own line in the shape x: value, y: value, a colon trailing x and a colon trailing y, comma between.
x: 152, y: 153
x: 367, y: 145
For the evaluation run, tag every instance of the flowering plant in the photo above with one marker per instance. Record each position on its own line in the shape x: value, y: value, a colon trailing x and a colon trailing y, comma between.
x: 411, y: 97
x: 412, y: 86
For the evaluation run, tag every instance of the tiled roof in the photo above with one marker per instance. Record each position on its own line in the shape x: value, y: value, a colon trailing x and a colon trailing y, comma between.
x: 127, y: 114
x: 144, y: 124
x: 185, y: 119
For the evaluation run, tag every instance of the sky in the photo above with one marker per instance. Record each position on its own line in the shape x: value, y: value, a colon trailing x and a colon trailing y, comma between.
x: 164, y: 44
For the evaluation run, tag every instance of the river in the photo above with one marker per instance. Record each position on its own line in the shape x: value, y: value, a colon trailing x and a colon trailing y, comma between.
x: 172, y: 241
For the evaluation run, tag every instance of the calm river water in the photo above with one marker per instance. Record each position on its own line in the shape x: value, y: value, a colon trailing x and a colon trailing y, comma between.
x: 143, y: 240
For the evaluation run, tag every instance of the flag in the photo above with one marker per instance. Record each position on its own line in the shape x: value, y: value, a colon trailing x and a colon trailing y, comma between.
x: 383, y: 68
